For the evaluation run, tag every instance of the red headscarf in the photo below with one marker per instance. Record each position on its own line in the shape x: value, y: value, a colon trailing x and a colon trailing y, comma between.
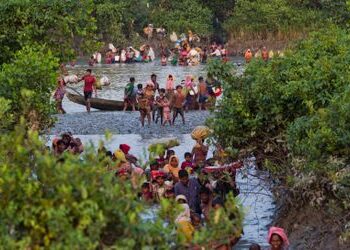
x: 125, y: 148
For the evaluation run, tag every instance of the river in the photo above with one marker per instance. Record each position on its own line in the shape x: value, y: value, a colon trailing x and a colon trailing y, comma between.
x: 255, y: 196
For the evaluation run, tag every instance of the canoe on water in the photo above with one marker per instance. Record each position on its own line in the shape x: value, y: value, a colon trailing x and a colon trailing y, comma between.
x: 110, y: 105
x: 97, y: 103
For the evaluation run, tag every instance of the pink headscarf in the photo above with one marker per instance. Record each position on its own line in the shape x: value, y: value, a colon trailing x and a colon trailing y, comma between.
x: 280, y: 232
x: 170, y: 84
x: 188, y: 82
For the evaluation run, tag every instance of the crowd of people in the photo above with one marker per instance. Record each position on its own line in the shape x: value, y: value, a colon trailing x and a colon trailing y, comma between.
x: 157, y: 104
x: 67, y: 143
x: 183, y: 54
x: 124, y: 55
x: 262, y: 53
x: 190, y: 183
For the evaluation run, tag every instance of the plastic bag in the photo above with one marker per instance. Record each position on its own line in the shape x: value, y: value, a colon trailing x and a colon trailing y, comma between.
x: 105, y: 81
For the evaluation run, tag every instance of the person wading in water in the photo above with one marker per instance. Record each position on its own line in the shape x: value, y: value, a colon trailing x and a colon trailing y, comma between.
x: 89, y: 87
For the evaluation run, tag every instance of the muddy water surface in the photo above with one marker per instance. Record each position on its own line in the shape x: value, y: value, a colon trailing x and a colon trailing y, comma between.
x: 255, y: 196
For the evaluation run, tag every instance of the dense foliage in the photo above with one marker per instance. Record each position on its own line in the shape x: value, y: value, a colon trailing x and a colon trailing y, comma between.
x: 74, y: 202
x: 283, y: 19
x: 189, y: 15
x: 26, y: 86
x: 292, y: 113
x: 64, y: 26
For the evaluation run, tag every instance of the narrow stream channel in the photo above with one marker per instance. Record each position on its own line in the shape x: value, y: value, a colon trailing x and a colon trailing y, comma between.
x: 255, y: 196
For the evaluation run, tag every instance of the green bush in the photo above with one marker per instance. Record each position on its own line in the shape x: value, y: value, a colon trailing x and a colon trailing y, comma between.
x: 188, y: 15
x: 271, y: 18
x: 27, y: 82
x: 66, y: 27
x: 292, y: 112
x: 73, y: 202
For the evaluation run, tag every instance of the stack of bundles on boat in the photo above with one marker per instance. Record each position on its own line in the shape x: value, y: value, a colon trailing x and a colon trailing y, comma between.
x: 71, y: 79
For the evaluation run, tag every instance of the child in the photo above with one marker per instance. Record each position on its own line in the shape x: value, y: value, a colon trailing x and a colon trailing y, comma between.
x: 254, y: 247
x: 159, y: 187
x: 59, y: 95
x: 169, y: 153
x: 183, y: 220
x: 173, y: 168
x: 166, y: 112
x: 129, y: 95
x: 277, y: 238
x: 189, y: 86
x: 154, y: 168
x: 196, y: 221
x: 170, y: 85
x: 161, y: 159
x: 139, y: 90
x: 159, y: 105
x: 169, y: 193
x: 178, y: 103
x: 187, y: 164
x: 163, y: 60
x: 146, y: 192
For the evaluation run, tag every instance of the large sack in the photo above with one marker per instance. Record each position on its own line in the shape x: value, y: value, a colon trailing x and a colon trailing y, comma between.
x: 173, y: 37
x: 71, y: 79
x: 111, y: 47
x: 200, y: 133
x: 105, y: 81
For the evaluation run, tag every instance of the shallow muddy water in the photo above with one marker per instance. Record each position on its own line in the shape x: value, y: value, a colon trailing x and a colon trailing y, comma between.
x: 119, y: 75
x: 255, y: 196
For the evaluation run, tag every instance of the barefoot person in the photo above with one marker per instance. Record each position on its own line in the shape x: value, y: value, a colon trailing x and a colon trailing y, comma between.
x: 144, y: 108
x: 130, y: 95
x: 89, y: 87
x: 59, y: 95
x: 178, y: 103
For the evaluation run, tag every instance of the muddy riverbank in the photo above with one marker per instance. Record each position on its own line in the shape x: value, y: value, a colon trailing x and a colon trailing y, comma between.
x: 84, y: 123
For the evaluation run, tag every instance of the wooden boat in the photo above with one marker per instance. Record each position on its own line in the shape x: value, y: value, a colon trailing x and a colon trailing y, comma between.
x: 98, y: 103
x: 110, y: 105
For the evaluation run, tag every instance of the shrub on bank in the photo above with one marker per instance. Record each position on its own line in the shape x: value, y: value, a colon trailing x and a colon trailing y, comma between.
x: 292, y: 112
x: 26, y: 84
x: 74, y: 203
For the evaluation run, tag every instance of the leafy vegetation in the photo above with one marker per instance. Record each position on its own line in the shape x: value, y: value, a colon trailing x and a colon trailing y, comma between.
x: 66, y: 27
x: 26, y: 86
x: 291, y: 112
x: 189, y: 15
x: 74, y: 202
